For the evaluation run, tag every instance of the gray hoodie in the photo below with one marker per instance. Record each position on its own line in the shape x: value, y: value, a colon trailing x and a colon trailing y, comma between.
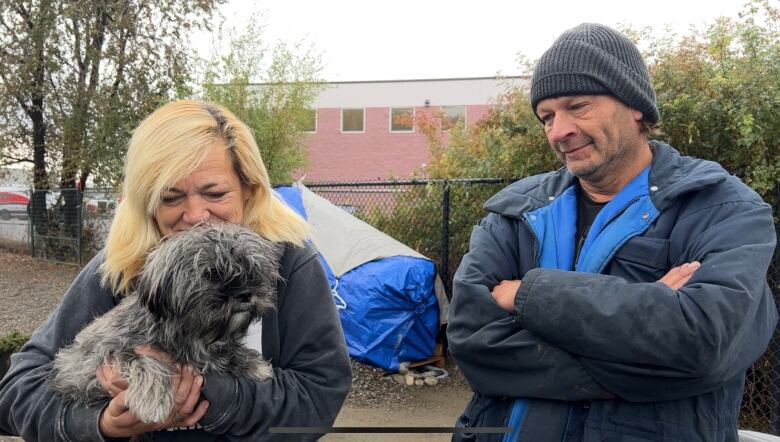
x: 302, y: 339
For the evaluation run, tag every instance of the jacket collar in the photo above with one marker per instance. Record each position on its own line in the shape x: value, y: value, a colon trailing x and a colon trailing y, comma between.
x: 671, y: 176
x: 674, y: 175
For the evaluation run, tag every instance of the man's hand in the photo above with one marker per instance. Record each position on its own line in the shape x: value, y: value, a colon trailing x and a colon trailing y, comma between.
x: 504, y: 294
x: 117, y: 421
x: 678, y: 276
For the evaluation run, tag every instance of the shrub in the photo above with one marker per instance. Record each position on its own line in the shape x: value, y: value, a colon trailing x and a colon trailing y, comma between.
x: 12, y: 342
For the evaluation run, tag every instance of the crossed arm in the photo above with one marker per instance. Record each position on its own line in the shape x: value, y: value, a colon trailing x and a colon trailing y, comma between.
x: 577, y: 336
x: 504, y: 293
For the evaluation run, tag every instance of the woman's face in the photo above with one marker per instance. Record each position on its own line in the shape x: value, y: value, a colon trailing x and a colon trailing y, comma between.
x: 213, y: 192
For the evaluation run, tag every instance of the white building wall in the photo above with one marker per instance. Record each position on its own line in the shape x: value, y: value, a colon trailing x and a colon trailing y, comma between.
x: 438, y: 92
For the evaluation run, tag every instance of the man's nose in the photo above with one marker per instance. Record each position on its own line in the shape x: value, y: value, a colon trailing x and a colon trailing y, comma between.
x: 196, y: 210
x: 561, y: 128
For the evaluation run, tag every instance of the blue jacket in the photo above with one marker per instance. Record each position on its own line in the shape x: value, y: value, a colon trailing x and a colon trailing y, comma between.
x: 598, y: 350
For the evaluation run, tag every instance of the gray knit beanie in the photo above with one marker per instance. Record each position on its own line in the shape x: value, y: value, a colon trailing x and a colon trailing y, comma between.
x: 595, y: 59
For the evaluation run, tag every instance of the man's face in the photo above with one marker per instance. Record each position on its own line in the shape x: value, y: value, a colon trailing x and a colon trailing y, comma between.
x: 596, y: 136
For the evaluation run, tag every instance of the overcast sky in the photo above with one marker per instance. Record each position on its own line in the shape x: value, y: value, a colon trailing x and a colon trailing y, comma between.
x: 415, y: 39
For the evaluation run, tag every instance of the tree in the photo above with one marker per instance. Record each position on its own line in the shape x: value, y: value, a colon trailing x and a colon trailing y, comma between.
x: 77, y: 76
x: 26, y: 44
x: 719, y: 93
x: 719, y: 98
x: 276, y: 108
x: 508, y: 142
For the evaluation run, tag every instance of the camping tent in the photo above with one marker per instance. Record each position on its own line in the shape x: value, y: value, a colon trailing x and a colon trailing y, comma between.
x: 390, y: 299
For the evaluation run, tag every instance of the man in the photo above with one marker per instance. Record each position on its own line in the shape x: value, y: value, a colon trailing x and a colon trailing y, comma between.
x: 623, y: 297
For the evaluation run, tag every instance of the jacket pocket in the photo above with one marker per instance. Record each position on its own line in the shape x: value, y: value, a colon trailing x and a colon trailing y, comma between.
x: 482, y: 411
x: 642, y: 259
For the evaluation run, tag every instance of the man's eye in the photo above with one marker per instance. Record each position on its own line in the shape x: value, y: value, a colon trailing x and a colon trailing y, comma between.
x: 547, y: 119
x: 578, y: 106
x: 216, y: 195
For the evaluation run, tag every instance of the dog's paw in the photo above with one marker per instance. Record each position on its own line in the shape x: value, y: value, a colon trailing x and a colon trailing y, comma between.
x: 150, y: 413
x: 150, y: 393
x: 261, y: 370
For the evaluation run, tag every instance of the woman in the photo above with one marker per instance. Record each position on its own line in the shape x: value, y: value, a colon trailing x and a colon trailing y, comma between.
x: 190, y: 162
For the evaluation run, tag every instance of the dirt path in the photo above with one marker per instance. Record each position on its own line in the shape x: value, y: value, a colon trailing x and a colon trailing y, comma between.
x: 432, y: 408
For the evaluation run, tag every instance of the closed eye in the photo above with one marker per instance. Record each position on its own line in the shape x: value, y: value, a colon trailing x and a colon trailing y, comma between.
x: 213, y: 275
x: 170, y: 200
x: 580, y: 106
x: 215, y: 196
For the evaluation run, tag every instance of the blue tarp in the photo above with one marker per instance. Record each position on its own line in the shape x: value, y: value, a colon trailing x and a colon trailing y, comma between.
x: 388, y: 307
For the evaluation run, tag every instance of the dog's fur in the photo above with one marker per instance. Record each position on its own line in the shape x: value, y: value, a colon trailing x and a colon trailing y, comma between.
x: 194, y: 299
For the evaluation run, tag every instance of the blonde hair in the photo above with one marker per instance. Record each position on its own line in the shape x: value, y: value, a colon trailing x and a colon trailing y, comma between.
x: 165, y: 148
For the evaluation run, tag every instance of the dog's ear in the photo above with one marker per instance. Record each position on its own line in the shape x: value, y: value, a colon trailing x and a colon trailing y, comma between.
x: 154, y: 294
x: 263, y: 258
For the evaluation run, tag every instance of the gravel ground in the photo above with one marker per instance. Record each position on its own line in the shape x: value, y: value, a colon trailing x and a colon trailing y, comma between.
x: 371, y: 388
x: 30, y: 289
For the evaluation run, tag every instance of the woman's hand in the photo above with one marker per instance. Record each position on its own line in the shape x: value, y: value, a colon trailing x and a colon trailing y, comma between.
x: 111, y: 379
x: 117, y: 421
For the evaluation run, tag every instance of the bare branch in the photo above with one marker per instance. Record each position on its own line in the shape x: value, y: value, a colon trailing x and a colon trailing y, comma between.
x: 7, y: 160
x: 19, y: 98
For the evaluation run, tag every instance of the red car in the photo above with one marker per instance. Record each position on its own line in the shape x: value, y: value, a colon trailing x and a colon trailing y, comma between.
x: 13, y: 205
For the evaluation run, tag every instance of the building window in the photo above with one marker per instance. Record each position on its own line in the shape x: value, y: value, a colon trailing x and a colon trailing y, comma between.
x: 452, y: 115
x: 309, y: 121
x: 352, y: 120
x: 402, y: 119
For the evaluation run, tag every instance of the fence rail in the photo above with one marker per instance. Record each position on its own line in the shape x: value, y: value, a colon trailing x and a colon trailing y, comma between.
x: 63, y: 225
x: 434, y: 217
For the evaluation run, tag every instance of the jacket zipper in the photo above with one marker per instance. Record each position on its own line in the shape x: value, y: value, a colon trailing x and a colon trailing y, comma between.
x: 504, y: 423
x: 537, y: 250
x: 578, y: 247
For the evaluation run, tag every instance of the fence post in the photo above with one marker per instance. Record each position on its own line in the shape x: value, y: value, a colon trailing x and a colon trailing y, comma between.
x: 31, y: 220
x: 79, y: 226
x: 445, y: 237
x: 774, y: 344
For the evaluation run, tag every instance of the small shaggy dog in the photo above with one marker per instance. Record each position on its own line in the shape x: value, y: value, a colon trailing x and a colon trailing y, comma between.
x: 194, y: 300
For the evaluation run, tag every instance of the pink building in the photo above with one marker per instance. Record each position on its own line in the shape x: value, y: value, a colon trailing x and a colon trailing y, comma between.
x: 361, y: 130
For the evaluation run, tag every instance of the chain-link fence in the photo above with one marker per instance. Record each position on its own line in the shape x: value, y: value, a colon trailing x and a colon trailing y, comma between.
x: 761, y: 402
x: 435, y: 217
x: 68, y: 225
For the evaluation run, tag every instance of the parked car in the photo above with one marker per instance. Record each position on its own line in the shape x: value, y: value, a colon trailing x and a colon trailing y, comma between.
x: 100, y: 204
x: 13, y: 205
